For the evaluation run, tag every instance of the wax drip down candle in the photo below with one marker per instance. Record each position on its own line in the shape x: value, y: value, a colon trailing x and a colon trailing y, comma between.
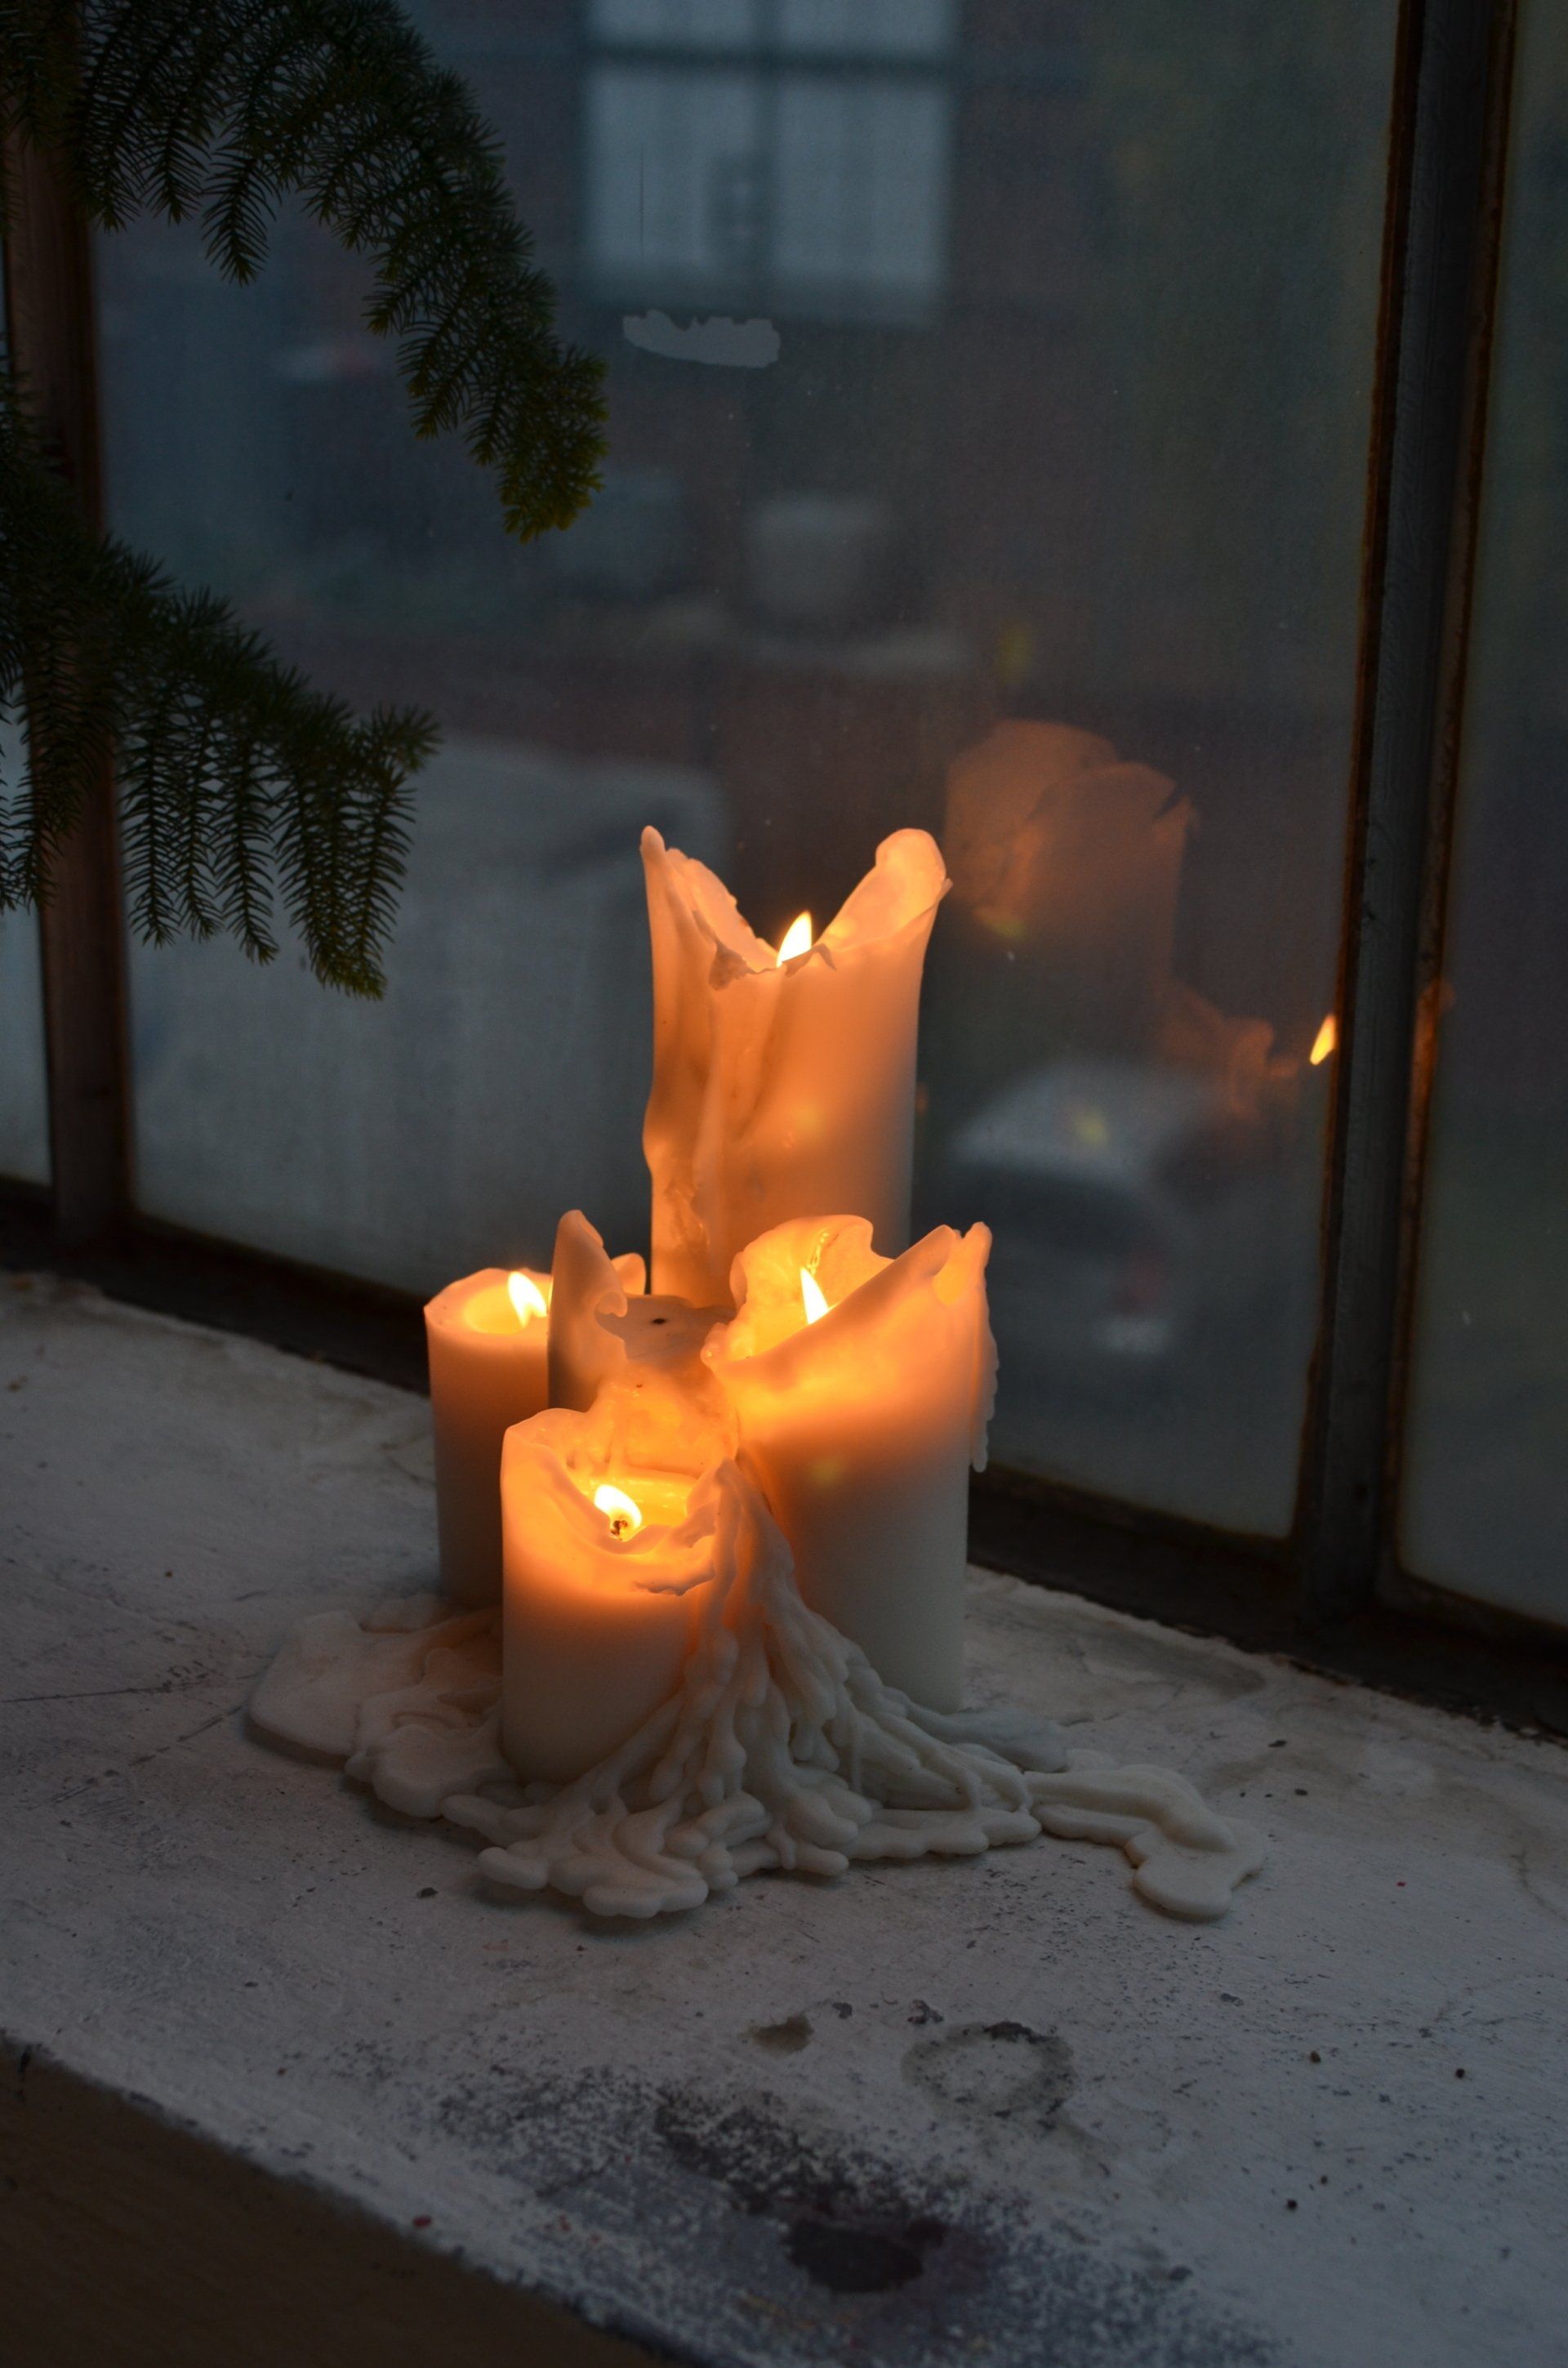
x: 603, y: 1556
x: 777, y: 1746
x: 730, y: 1551
x: 605, y: 1331
x: 487, y: 1338
x: 862, y: 1387
x: 783, y: 1078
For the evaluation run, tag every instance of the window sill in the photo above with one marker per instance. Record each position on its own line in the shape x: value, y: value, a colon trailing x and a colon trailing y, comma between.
x: 296, y: 2089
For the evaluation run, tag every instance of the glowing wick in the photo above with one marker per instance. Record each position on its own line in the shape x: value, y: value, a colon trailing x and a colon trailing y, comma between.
x: 622, y: 1512
x: 812, y: 1295
x: 796, y: 940
x: 1324, y: 1041
x: 527, y: 1298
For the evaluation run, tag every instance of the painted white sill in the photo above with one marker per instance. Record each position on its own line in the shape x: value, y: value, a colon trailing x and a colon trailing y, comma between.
x: 284, y: 2086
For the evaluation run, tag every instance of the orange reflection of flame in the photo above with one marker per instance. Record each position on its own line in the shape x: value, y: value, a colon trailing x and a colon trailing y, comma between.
x: 796, y: 940
x: 527, y: 1298
x: 622, y: 1512
x: 1324, y: 1041
x: 812, y: 1295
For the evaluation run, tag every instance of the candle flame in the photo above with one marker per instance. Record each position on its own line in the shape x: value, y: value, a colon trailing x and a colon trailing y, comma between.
x: 1324, y: 1041
x: 622, y: 1512
x: 527, y: 1298
x: 796, y: 940
x: 812, y: 1295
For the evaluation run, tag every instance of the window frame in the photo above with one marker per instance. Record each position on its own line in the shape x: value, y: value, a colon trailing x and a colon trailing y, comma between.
x: 1333, y: 1592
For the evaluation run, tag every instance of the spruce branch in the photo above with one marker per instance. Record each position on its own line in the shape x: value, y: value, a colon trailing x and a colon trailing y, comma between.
x: 221, y: 113
x: 241, y: 787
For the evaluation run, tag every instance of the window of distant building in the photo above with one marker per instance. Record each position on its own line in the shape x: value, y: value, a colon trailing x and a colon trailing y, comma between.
x: 791, y: 156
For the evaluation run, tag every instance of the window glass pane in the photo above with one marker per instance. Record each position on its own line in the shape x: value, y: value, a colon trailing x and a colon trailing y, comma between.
x: 988, y: 441
x: 24, y: 1111
x: 1486, y: 1494
x: 859, y: 190
x: 671, y: 181
x: 665, y: 24
x: 909, y: 28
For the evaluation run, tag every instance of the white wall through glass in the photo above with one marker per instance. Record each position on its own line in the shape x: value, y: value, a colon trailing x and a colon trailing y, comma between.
x: 989, y: 407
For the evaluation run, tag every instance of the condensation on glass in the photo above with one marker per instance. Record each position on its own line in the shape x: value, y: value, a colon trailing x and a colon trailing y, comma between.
x: 1485, y: 1507
x: 989, y: 398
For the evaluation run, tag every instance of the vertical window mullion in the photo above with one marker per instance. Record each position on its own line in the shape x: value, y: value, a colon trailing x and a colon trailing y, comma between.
x: 51, y: 335
x: 1446, y: 160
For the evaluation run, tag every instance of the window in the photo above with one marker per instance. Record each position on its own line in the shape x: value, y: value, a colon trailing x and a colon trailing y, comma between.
x: 1000, y: 442
x: 801, y: 166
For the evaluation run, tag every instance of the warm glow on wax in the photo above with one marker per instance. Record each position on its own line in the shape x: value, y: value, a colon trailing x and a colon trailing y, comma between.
x: 861, y: 1432
x: 812, y: 1296
x: 1324, y: 1041
x: 783, y: 1077
x: 796, y: 940
x: 526, y: 1296
x: 622, y: 1512
x: 604, y: 1559
x: 488, y: 1370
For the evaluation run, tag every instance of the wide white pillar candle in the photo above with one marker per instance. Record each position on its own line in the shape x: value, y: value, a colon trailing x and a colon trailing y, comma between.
x: 863, y: 1387
x: 783, y: 1077
x: 487, y: 1337
x: 605, y: 1561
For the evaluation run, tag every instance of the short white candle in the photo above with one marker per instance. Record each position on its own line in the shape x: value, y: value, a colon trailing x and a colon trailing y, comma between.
x: 486, y: 1335
x: 783, y: 1077
x: 602, y: 1574
x: 863, y: 1387
x: 604, y: 1329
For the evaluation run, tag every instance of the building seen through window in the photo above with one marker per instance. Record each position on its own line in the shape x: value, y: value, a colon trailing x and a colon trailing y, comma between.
x: 775, y: 173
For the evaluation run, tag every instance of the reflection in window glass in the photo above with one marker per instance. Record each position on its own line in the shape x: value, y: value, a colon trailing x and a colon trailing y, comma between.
x: 989, y: 418
x: 1486, y: 1501
x: 24, y: 1110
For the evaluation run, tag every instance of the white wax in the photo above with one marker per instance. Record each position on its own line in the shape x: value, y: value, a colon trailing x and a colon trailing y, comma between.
x: 596, y: 1624
x: 780, y: 1089
x: 862, y: 1426
x: 488, y: 1370
x: 604, y: 1329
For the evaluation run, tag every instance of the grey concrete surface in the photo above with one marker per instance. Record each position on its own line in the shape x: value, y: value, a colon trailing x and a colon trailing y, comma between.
x: 994, y: 2112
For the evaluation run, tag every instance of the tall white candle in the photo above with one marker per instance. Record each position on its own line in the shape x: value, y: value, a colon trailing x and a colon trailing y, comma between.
x: 863, y: 1387
x: 605, y: 1557
x: 783, y: 1077
x: 486, y: 1337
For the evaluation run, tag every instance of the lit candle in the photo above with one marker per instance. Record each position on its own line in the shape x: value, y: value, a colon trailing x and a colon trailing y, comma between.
x: 783, y: 1077
x: 862, y: 1386
x: 605, y: 1561
x: 604, y: 1329
x: 487, y: 1337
